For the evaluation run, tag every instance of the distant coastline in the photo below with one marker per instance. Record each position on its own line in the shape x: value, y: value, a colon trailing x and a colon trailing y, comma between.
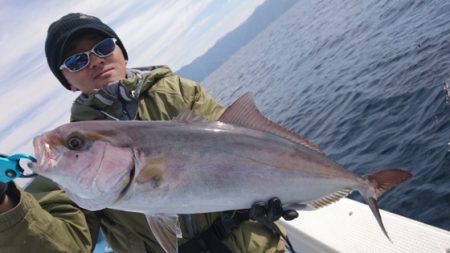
x: 225, y: 47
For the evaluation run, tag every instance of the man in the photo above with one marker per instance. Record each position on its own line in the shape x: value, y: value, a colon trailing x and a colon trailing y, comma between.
x: 87, y: 55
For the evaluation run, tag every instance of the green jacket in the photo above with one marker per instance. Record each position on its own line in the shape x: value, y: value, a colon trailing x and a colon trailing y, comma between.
x: 47, y: 220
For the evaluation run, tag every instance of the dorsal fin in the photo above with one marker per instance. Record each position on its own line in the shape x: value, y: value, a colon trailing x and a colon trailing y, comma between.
x: 243, y: 112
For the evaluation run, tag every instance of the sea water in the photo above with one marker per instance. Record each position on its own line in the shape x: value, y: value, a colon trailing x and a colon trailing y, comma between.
x: 368, y: 82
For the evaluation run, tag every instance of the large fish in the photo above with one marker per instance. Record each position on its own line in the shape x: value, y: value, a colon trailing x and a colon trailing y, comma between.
x: 192, y: 165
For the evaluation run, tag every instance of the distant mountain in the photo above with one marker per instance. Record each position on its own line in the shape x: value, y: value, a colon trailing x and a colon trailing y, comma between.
x: 225, y: 47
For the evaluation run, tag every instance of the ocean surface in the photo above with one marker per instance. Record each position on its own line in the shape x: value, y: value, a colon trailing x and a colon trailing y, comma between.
x: 368, y: 82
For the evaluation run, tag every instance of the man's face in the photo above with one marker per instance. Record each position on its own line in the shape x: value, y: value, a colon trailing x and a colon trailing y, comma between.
x: 100, y: 71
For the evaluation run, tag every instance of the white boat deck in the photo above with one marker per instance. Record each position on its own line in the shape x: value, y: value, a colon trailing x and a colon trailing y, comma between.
x: 349, y: 226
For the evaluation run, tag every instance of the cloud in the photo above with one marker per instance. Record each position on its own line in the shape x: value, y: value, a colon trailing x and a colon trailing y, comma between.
x: 154, y: 32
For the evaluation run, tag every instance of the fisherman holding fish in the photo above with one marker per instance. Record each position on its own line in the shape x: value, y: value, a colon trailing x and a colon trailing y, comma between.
x: 87, y: 55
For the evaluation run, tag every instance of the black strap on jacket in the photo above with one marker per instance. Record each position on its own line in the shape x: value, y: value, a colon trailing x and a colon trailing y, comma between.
x: 209, y: 241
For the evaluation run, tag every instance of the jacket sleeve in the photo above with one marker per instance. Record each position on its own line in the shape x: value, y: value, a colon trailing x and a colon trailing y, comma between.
x: 197, y: 99
x: 172, y: 95
x: 202, y: 102
x: 45, y: 220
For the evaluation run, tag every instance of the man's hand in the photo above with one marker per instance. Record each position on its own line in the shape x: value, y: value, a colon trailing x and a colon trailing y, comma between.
x: 210, y: 239
x: 3, y: 188
x: 5, y: 204
x: 265, y: 213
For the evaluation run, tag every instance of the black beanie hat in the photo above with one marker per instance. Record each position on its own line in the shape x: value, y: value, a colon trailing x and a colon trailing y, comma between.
x: 66, y: 28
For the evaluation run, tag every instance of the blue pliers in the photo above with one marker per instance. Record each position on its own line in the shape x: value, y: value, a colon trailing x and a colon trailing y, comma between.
x: 10, y: 167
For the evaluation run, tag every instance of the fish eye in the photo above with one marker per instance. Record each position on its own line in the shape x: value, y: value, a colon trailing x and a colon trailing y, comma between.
x: 75, y: 141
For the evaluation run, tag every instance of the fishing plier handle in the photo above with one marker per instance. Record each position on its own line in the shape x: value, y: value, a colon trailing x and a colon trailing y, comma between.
x: 10, y: 167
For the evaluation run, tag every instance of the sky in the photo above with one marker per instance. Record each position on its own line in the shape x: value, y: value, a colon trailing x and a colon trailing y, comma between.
x: 154, y: 32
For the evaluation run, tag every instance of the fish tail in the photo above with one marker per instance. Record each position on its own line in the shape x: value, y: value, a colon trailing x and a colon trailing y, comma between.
x: 380, y: 182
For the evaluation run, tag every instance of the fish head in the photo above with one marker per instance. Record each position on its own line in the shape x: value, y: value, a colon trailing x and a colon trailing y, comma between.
x: 91, y: 162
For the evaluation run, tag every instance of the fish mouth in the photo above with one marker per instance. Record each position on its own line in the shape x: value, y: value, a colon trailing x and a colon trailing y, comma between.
x: 39, y: 152
x: 45, y: 156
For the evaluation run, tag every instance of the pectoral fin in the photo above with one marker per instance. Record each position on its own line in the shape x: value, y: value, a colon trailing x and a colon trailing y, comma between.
x: 166, y: 230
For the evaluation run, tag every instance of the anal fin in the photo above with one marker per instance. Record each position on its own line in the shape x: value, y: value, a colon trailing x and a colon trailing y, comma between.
x: 329, y: 199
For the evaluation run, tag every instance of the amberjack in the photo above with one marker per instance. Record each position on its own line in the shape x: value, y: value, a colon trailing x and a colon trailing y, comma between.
x: 192, y: 165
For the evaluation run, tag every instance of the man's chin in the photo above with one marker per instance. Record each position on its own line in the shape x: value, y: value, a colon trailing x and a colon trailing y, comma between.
x: 102, y: 83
